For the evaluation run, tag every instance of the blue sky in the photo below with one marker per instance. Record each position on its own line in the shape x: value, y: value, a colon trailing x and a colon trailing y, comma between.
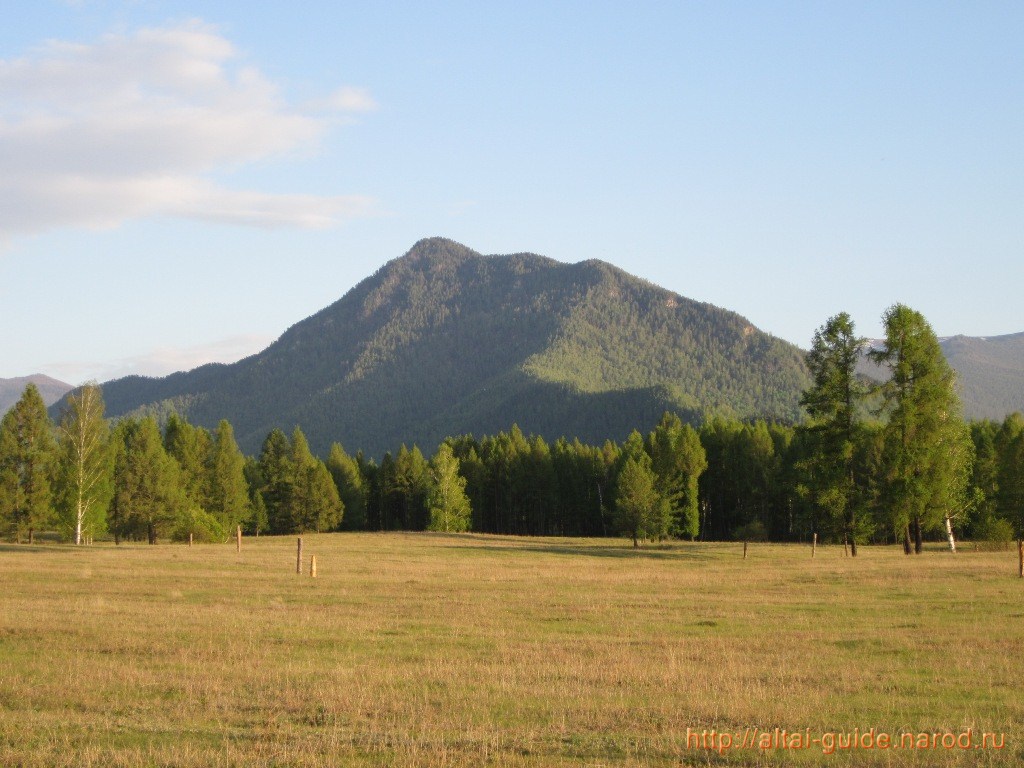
x: 181, y: 181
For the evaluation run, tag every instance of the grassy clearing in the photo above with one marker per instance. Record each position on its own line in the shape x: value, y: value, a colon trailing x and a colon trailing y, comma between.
x: 421, y: 649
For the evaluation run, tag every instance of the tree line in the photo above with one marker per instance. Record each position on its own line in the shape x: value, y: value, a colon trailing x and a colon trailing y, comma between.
x: 870, y: 463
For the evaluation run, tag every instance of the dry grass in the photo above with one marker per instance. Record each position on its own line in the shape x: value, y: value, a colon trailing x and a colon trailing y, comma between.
x: 463, y: 650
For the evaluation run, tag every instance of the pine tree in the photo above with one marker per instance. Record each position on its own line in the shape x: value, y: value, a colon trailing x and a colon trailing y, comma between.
x: 27, y: 450
x: 85, y: 466
x: 447, y: 502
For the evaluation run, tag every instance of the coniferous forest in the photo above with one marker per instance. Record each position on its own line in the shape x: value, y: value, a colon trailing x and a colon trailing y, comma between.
x: 869, y: 462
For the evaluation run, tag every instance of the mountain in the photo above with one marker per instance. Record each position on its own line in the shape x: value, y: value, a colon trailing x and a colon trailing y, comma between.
x: 11, y: 390
x: 989, y: 370
x: 991, y: 373
x: 444, y: 341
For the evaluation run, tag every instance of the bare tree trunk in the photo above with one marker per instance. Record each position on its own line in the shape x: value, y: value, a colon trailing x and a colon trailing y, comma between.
x: 918, y: 542
x: 906, y: 540
x: 949, y: 534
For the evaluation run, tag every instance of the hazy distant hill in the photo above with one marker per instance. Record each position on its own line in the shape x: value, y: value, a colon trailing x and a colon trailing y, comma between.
x: 11, y: 390
x: 444, y: 341
x: 991, y: 373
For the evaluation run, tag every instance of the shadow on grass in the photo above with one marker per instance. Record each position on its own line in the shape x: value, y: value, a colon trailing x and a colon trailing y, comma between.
x: 623, y: 552
x: 35, y: 548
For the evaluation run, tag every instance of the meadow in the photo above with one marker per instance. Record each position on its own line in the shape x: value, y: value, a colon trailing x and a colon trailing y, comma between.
x: 466, y: 650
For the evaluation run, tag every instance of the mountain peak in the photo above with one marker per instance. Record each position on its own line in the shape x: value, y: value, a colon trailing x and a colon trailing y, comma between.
x: 444, y: 341
x: 438, y: 250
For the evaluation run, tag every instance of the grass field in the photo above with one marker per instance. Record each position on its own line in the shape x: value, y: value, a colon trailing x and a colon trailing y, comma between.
x: 464, y: 650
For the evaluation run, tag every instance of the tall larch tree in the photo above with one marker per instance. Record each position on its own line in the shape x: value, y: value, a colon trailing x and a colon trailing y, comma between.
x: 352, y: 487
x: 227, y: 492
x: 678, y: 460
x: 447, y: 503
x: 27, y: 448
x: 85, y: 466
x: 640, y: 511
x: 277, y: 473
x: 315, y: 504
x: 148, y: 498
x: 834, y: 401
x: 923, y: 473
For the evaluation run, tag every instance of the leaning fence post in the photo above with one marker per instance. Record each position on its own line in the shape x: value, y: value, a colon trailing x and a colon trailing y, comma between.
x: 298, y: 557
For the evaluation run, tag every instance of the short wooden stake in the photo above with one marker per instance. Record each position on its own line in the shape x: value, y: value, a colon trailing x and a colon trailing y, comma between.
x: 1020, y: 558
x: 312, y: 566
x: 814, y: 545
x: 298, y: 557
x: 190, y: 539
x: 238, y: 539
x: 744, y: 550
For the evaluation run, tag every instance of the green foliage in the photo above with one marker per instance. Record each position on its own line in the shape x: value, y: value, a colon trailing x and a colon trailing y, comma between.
x: 926, y: 458
x: 1010, y: 494
x: 447, y: 503
x: 353, y: 489
x: 26, y: 454
x: 678, y: 460
x: 200, y: 525
x: 226, y: 492
x: 190, y: 447
x: 834, y: 401
x: 640, y: 511
x: 148, y: 497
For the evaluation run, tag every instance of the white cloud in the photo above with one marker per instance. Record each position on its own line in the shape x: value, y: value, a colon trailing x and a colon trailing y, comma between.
x: 159, y: 361
x: 130, y: 126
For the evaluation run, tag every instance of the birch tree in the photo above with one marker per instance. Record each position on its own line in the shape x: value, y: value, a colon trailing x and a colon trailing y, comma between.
x: 85, y: 466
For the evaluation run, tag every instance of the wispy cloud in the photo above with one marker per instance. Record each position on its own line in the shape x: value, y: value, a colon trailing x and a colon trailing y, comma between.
x: 135, y: 125
x: 159, y: 361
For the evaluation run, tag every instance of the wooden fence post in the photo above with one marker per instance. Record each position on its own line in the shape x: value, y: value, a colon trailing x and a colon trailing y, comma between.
x: 190, y: 539
x: 298, y: 557
x: 238, y: 539
x: 312, y: 566
x: 1020, y: 557
x: 814, y: 545
x: 744, y: 550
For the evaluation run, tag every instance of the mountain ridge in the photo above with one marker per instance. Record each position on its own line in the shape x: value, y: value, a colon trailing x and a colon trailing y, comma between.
x: 50, y: 389
x: 444, y: 340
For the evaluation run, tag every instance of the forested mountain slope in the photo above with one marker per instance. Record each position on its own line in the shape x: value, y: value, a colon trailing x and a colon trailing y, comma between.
x: 445, y: 341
